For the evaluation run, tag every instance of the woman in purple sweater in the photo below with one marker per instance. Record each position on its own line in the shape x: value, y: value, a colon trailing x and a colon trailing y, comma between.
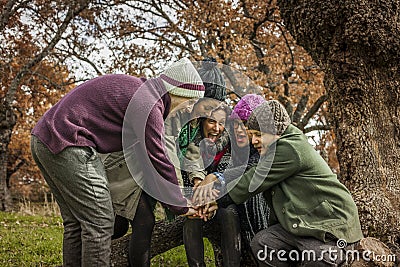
x: 92, y: 118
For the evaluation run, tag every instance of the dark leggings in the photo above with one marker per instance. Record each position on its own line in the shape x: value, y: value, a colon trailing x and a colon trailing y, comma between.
x: 228, y: 220
x: 121, y: 226
x: 142, y: 229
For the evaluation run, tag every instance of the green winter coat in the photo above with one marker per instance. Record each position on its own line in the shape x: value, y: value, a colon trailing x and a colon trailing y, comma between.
x: 306, y: 196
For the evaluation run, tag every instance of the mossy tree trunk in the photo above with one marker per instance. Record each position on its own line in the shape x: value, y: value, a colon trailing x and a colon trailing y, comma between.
x: 357, y: 43
x: 169, y: 235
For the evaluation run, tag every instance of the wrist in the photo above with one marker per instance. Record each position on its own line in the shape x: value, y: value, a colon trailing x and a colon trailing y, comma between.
x: 182, y: 211
x: 196, y: 180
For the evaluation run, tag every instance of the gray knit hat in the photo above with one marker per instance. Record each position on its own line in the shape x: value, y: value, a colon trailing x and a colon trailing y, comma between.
x: 214, y: 82
x: 269, y: 117
x: 182, y: 79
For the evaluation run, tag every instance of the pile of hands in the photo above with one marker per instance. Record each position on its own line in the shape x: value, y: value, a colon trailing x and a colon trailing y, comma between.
x: 203, y: 204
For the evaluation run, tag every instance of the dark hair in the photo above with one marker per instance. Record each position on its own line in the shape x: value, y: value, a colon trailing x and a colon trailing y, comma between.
x: 222, y: 106
x: 203, y: 99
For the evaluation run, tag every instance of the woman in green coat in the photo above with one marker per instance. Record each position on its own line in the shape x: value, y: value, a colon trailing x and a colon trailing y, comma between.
x: 314, y: 218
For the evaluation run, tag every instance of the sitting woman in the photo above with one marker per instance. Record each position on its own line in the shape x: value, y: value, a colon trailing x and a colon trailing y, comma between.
x: 201, y: 151
x: 191, y: 140
x: 254, y: 212
x: 242, y: 156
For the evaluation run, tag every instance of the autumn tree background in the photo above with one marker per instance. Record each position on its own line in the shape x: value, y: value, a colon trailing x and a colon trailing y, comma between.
x: 333, y: 65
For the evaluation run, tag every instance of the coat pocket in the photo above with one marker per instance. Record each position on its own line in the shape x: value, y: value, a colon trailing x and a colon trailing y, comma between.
x: 323, y: 215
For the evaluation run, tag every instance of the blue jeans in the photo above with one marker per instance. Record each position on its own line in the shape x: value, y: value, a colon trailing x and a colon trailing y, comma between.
x: 79, y: 184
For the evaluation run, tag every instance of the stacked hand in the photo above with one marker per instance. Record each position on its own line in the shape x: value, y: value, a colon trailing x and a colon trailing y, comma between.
x: 203, y: 205
x: 205, y: 212
x: 204, y: 191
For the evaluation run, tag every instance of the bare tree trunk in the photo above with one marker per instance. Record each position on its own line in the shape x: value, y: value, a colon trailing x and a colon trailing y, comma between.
x: 357, y: 43
x: 170, y: 235
x: 7, y: 122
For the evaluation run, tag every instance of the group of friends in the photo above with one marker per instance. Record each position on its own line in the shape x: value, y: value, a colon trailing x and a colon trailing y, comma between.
x: 115, y: 145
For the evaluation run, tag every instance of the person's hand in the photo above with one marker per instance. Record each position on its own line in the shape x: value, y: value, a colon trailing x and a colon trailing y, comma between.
x: 196, y: 182
x: 208, y: 211
x: 191, y: 212
x: 204, y: 191
x: 198, y: 215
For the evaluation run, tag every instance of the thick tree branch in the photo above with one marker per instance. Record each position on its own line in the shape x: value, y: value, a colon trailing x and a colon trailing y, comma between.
x: 317, y: 128
x: 301, y: 106
x: 170, y: 235
x: 312, y: 111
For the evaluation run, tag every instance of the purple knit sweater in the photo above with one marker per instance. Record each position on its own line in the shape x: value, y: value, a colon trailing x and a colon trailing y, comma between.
x: 93, y: 113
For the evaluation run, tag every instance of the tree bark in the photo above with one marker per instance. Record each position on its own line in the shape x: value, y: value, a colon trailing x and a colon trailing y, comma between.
x: 170, y: 235
x: 357, y: 43
x: 7, y: 122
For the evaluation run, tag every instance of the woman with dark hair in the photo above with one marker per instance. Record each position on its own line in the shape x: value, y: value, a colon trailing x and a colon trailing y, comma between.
x: 192, y: 139
x: 200, y: 155
x: 241, y: 156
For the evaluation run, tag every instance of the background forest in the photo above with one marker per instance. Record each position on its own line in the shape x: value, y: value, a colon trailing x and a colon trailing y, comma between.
x: 333, y: 64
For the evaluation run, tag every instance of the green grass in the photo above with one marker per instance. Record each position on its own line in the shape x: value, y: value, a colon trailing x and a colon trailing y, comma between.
x: 29, y: 240
x: 36, y: 240
x: 177, y: 257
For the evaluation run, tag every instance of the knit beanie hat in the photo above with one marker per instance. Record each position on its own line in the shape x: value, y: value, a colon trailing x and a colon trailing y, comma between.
x: 269, y: 117
x: 214, y: 82
x: 245, y: 106
x: 182, y: 79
